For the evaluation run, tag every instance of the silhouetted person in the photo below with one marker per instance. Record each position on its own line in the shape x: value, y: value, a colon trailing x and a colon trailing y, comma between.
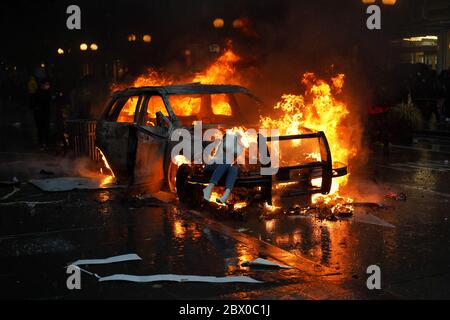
x: 41, y: 113
x: 60, y: 106
x: 32, y: 88
x: 378, y: 118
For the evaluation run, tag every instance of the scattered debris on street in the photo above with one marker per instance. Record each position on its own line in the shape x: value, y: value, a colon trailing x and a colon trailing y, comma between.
x: 73, y: 183
x: 159, y: 277
x: 262, y: 263
x: 397, y: 196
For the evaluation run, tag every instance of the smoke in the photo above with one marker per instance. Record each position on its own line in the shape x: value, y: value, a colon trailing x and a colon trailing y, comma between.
x: 327, y: 39
x: 45, y: 166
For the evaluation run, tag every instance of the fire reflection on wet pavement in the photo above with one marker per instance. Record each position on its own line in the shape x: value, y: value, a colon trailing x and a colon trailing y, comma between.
x: 329, y: 258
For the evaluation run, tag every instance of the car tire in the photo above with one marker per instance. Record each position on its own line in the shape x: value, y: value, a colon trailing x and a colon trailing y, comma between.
x: 184, y: 190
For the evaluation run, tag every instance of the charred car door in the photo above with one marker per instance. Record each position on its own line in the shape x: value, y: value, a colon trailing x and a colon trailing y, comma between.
x: 116, y: 137
x: 152, y: 132
x: 304, y: 162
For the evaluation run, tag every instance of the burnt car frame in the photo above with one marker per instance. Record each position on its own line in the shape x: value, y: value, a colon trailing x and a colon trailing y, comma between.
x: 137, y: 143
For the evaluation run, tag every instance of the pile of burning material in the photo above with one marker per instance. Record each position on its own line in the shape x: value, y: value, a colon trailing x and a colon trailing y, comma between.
x: 321, y: 211
x: 335, y: 213
x: 397, y: 196
x: 242, y: 210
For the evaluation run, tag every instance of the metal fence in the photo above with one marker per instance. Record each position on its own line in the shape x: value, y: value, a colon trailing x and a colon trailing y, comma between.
x: 82, y: 138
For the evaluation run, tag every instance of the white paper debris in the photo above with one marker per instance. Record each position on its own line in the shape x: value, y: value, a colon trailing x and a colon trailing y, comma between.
x: 264, y: 263
x: 123, y: 258
x: 177, y: 278
x: 72, y: 183
x: 88, y: 272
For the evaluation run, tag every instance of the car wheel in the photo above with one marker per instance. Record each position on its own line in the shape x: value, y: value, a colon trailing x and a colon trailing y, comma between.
x: 182, y: 185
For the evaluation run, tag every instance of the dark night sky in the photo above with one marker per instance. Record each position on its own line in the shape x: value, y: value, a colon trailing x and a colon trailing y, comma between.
x: 294, y: 36
x: 36, y: 27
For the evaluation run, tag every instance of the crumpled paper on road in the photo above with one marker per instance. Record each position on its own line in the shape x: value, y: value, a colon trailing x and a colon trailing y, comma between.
x: 262, y: 263
x: 177, y: 278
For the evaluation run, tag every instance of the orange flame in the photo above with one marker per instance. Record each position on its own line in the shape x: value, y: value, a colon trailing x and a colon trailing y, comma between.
x: 221, y: 71
x: 180, y: 160
x: 105, y: 162
x: 107, y: 178
x: 317, y: 109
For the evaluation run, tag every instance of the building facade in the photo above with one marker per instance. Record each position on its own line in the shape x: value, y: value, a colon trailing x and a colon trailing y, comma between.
x: 424, y: 34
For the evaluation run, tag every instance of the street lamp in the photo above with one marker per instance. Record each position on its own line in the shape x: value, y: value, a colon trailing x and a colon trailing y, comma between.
x: 218, y: 23
x: 389, y: 2
x: 83, y: 47
x: 132, y: 37
x: 368, y: 1
x: 147, y: 38
x: 94, y: 47
x: 60, y: 51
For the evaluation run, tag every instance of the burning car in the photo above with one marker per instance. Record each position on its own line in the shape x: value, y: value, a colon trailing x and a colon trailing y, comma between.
x: 134, y: 135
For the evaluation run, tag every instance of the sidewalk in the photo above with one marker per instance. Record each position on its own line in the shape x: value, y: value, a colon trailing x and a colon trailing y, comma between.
x: 17, y: 128
x: 20, y: 155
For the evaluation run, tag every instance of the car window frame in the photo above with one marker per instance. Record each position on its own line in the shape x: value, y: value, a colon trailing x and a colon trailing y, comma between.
x: 114, y: 110
x: 143, y: 108
x: 237, y: 112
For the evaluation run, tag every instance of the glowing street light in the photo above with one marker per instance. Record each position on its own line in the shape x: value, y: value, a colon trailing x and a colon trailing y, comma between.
x: 132, y: 37
x: 83, y: 47
x: 147, y: 38
x: 94, y: 47
x: 385, y: 2
x: 60, y: 51
x: 218, y: 23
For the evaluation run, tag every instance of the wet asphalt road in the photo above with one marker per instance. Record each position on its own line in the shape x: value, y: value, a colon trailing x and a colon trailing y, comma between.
x: 408, y: 240
x: 329, y: 259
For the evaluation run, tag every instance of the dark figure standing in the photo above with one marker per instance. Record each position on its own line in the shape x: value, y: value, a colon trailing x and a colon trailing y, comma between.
x: 41, y: 113
x: 379, y: 118
x: 32, y: 88
x: 60, y: 104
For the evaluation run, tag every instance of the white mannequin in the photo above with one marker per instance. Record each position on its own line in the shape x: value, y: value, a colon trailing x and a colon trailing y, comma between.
x: 232, y: 145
